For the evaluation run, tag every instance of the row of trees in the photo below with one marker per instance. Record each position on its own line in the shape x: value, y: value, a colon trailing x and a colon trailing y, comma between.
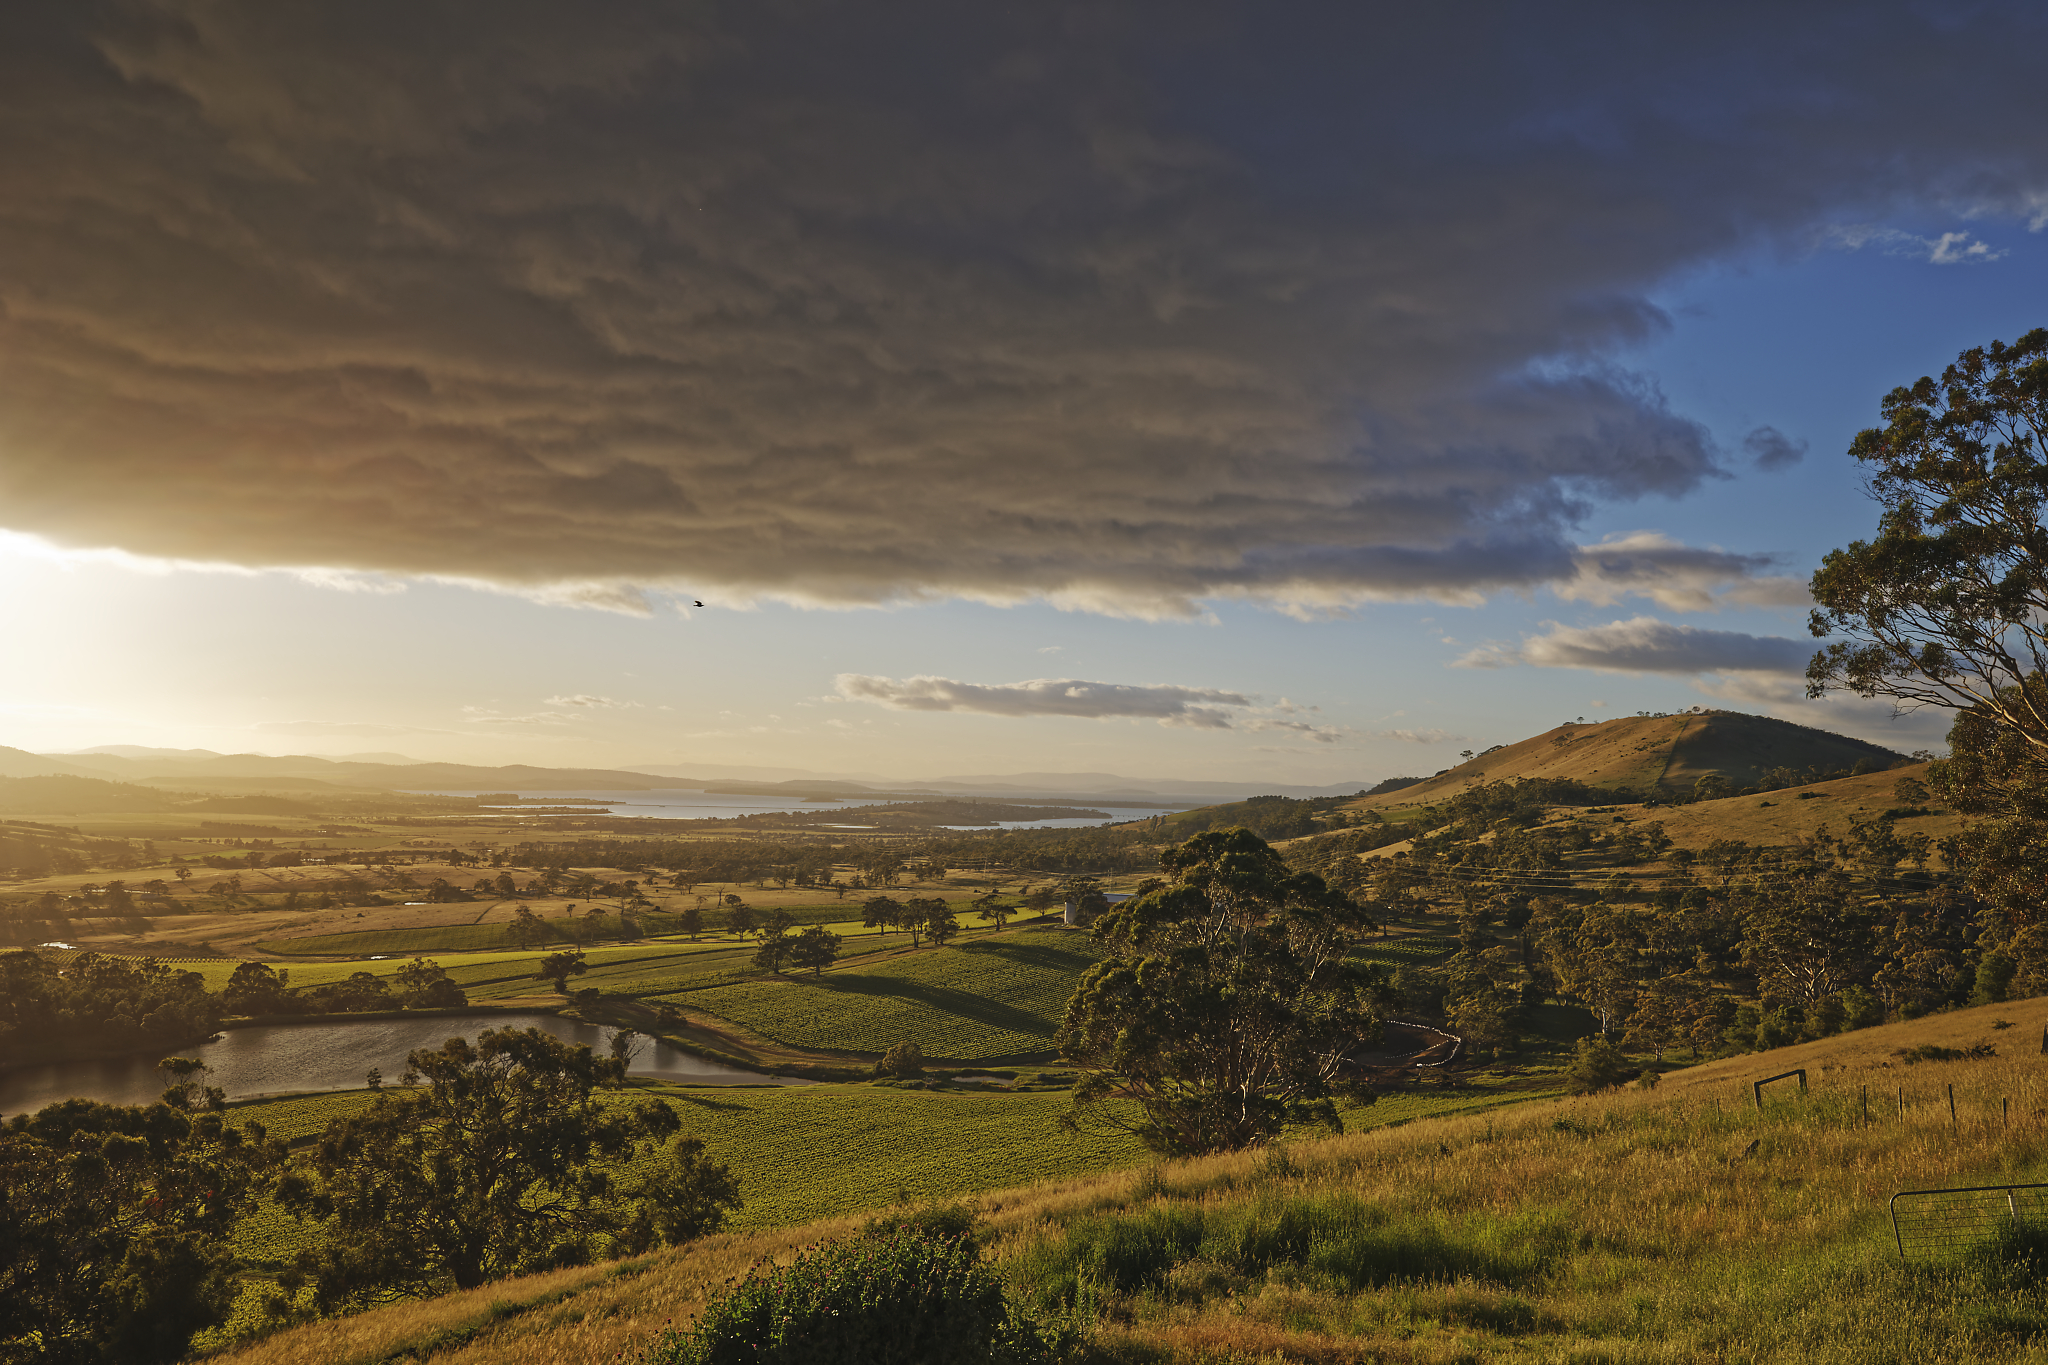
x: 257, y: 989
x: 927, y: 918
x: 96, y: 1003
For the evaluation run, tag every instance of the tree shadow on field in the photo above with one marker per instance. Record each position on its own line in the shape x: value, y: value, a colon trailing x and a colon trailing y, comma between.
x: 701, y: 1101
x: 1051, y: 957
x: 967, y: 1005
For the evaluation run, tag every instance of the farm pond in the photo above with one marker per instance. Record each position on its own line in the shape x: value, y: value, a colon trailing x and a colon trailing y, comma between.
x: 270, y: 1059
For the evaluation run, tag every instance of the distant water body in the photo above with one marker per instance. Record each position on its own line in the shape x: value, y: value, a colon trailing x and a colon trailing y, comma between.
x: 273, y: 1058
x: 683, y: 803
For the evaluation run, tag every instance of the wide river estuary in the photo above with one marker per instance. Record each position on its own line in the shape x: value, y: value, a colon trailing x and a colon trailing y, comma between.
x: 275, y: 1059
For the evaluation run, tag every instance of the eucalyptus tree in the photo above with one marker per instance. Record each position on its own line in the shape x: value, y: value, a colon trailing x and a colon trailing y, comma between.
x: 1227, y: 1002
x: 500, y: 1158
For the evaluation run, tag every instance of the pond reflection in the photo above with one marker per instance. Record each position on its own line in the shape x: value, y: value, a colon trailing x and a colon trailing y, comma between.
x: 273, y: 1058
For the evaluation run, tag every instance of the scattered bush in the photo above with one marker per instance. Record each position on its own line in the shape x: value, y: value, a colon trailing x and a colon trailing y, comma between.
x: 1600, y: 1065
x: 904, y: 1061
x: 1338, y: 1235
x: 932, y: 1220
x: 904, y: 1294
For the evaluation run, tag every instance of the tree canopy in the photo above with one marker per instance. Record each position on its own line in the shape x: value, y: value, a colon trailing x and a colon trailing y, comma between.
x: 116, y: 1228
x: 1226, y: 1004
x: 499, y: 1163
x: 1947, y: 605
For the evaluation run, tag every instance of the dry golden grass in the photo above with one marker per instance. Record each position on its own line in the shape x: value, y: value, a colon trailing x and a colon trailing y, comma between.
x: 1682, y: 1242
x: 1796, y: 813
x: 595, y: 1313
x: 1647, y: 753
x: 1868, y: 1056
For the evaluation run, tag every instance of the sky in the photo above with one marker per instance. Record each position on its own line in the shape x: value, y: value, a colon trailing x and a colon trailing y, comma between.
x: 1301, y: 393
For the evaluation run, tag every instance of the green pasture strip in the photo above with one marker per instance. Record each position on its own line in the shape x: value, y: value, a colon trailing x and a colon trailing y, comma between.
x: 994, y: 997
x: 467, y: 968
x: 803, y: 1153
x: 651, y: 972
x: 811, y: 1153
x: 302, y: 1116
x: 447, y: 938
x: 1405, y: 949
x: 466, y: 938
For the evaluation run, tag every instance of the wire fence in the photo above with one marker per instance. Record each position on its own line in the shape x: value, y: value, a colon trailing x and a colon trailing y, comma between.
x: 1935, y: 1223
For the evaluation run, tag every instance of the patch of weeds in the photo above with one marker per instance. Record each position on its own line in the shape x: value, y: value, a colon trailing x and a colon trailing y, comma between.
x: 1933, y: 1052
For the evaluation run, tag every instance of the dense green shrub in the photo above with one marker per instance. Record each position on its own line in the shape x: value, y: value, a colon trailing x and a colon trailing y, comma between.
x: 1348, y: 1239
x: 1600, y: 1065
x: 903, y: 1061
x: 906, y: 1296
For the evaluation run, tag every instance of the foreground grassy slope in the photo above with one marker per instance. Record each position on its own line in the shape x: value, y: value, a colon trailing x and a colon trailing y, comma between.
x: 995, y: 997
x: 1673, y: 1225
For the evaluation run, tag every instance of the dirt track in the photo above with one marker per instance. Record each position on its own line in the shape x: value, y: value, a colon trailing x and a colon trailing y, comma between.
x: 1406, y: 1046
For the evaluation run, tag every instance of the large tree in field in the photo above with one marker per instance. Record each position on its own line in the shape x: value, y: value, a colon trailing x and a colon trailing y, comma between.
x: 993, y: 909
x: 816, y: 947
x: 504, y: 1161
x: 1947, y: 605
x: 1226, y: 1004
x: 559, y: 967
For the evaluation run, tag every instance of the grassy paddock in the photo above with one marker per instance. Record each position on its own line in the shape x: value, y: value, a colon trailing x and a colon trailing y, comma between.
x: 994, y: 997
x: 1628, y: 1228
x: 800, y: 1153
x: 1625, y: 1228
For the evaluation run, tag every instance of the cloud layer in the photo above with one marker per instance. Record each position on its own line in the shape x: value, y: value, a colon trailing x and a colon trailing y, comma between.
x: 1120, y: 305
x: 1648, y: 645
x: 1676, y: 577
x: 1195, y: 708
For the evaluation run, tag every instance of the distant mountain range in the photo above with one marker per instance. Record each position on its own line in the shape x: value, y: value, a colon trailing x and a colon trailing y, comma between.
x: 204, y: 768
x: 1663, y: 753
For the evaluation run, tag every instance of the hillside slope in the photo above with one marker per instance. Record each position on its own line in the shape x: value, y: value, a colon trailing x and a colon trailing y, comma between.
x: 1681, y: 1223
x: 1781, y: 817
x: 1661, y: 754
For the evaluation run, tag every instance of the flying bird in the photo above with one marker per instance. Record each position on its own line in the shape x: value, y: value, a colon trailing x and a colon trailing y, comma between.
x: 700, y: 604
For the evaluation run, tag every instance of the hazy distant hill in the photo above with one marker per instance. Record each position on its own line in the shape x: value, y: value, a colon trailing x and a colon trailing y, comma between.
x: 199, y: 768
x: 21, y: 763
x: 61, y: 795
x: 1039, y: 784
x: 1664, y: 754
x: 198, y: 772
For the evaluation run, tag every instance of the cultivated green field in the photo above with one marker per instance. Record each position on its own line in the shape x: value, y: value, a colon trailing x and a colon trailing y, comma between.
x: 803, y: 1152
x: 839, y: 917
x: 1402, y: 950
x: 811, y: 1152
x: 995, y: 997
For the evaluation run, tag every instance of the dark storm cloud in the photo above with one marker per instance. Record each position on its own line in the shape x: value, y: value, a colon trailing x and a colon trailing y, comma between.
x: 1125, y: 306
x: 1647, y: 645
x: 1773, y: 449
x: 1677, y: 577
